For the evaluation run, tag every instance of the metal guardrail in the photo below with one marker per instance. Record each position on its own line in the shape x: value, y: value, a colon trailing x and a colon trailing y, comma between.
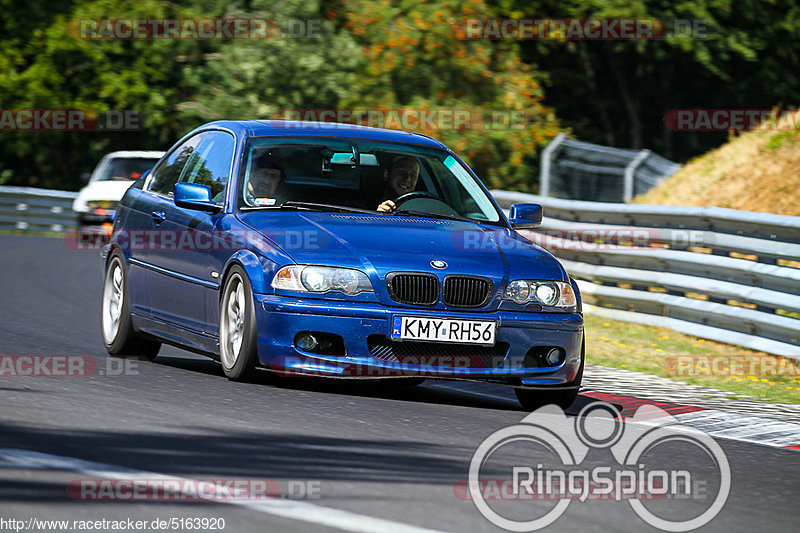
x: 722, y: 274
x: 30, y: 209
x: 717, y: 219
x: 576, y: 169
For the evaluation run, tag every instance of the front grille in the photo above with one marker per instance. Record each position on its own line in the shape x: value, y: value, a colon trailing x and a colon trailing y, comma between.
x: 413, y: 288
x: 467, y: 291
x: 436, y: 353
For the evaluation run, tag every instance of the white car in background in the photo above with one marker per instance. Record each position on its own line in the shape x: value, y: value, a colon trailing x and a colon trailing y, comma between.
x: 96, y: 204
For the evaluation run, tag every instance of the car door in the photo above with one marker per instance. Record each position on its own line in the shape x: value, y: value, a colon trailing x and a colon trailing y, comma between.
x: 151, y: 211
x: 188, y: 268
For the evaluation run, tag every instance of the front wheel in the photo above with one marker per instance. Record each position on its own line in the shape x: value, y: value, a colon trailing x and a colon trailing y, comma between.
x: 237, y: 327
x: 120, y: 338
x: 532, y: 399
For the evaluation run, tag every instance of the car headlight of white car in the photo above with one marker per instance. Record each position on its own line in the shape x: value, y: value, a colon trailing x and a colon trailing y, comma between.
x: 547, y: 293
x: 311, y: 278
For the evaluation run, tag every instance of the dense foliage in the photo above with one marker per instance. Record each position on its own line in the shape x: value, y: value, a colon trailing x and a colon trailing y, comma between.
x: 389, y: 55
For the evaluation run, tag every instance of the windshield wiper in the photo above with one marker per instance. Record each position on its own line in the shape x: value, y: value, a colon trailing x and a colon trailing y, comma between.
x: 413, y: 212
x: 311, y: 206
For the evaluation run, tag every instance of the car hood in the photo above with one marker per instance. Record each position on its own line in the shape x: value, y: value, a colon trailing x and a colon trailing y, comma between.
x: 378, y: 244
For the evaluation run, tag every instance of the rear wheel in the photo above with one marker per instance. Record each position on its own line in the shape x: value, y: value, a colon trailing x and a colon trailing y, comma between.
x: 237, y: 327
x: 532, y: 399
x: 120, y: 338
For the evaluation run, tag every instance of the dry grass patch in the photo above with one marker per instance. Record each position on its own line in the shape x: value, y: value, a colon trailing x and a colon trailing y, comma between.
x: 754, y: 171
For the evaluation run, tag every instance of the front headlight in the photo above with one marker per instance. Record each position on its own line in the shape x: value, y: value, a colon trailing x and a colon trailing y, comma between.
x: 309, y: 278
x: 547, y: 293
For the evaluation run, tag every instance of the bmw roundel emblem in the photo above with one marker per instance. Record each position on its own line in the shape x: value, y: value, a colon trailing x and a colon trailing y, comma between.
x: 438, y: 263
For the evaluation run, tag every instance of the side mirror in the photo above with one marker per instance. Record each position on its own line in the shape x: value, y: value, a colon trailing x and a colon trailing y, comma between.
x: 85, y: 177
x: 525, y: 216
x: 194, y: 196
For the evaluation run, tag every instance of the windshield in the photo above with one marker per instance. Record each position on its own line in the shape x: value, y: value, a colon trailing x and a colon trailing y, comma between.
x: 390, y: 177
x: 126, y: 168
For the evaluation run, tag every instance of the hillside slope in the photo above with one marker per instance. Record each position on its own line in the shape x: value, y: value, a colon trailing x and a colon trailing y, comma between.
x: 755, y: 171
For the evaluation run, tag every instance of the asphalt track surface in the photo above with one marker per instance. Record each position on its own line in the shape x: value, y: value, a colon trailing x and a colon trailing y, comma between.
x: 375, y: 452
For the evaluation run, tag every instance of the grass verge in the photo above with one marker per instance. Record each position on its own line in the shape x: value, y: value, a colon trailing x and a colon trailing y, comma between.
x: 667, y: 353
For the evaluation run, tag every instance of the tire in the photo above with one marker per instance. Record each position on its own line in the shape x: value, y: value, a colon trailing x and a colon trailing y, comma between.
x: 532, y: 399
x: 238, y: 351
x: 120, y: 338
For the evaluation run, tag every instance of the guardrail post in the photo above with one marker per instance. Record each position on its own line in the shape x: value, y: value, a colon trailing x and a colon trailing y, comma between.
x: 544, y: 172
x: 630, y: 170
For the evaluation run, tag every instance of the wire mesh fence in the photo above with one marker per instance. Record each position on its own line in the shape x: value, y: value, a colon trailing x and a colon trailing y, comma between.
x: 579, y: 170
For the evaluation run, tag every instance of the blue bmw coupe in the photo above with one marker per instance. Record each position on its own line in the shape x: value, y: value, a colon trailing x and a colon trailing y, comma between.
x: 321, y: 249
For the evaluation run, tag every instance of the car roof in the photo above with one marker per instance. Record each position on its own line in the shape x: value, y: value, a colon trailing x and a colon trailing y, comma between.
x: 136, y: 154
x: 254, y: 128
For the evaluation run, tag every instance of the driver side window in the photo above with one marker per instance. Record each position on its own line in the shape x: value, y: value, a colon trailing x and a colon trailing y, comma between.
x: 210, y: 163
x: 169, y: 171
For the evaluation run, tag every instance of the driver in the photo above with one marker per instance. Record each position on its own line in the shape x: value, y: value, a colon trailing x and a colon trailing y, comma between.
x: 401, y: 178
x: 265, y: 178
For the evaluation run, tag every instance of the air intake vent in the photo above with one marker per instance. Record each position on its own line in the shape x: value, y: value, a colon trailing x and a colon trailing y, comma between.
x: 413, y: 288
x: 436, y: 353
x: 467, y: 291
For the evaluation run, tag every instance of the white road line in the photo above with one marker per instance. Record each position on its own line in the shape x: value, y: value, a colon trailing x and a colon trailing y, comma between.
x: 718, y: 424
x: 292, y: 509
x: 747, y: 428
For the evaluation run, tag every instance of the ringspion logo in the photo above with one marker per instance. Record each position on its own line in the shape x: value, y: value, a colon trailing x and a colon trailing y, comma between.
x: 656, y: 461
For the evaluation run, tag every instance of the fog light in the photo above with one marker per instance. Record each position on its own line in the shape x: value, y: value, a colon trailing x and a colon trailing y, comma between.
x: 553, y: 357
x: 306, y: 342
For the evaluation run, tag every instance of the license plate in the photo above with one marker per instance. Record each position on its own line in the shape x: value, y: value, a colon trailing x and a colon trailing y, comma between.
x: 443, y: 330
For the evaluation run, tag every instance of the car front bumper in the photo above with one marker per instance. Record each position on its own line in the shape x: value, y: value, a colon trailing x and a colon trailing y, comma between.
x: 280, y: 319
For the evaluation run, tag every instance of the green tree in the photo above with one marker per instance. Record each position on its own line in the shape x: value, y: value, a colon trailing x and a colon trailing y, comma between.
x: 416, y: 58
x: 617, y: 92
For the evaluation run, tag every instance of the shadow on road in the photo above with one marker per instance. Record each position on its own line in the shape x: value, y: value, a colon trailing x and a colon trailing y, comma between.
x: 260, y: 454
x: 466, y: 394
